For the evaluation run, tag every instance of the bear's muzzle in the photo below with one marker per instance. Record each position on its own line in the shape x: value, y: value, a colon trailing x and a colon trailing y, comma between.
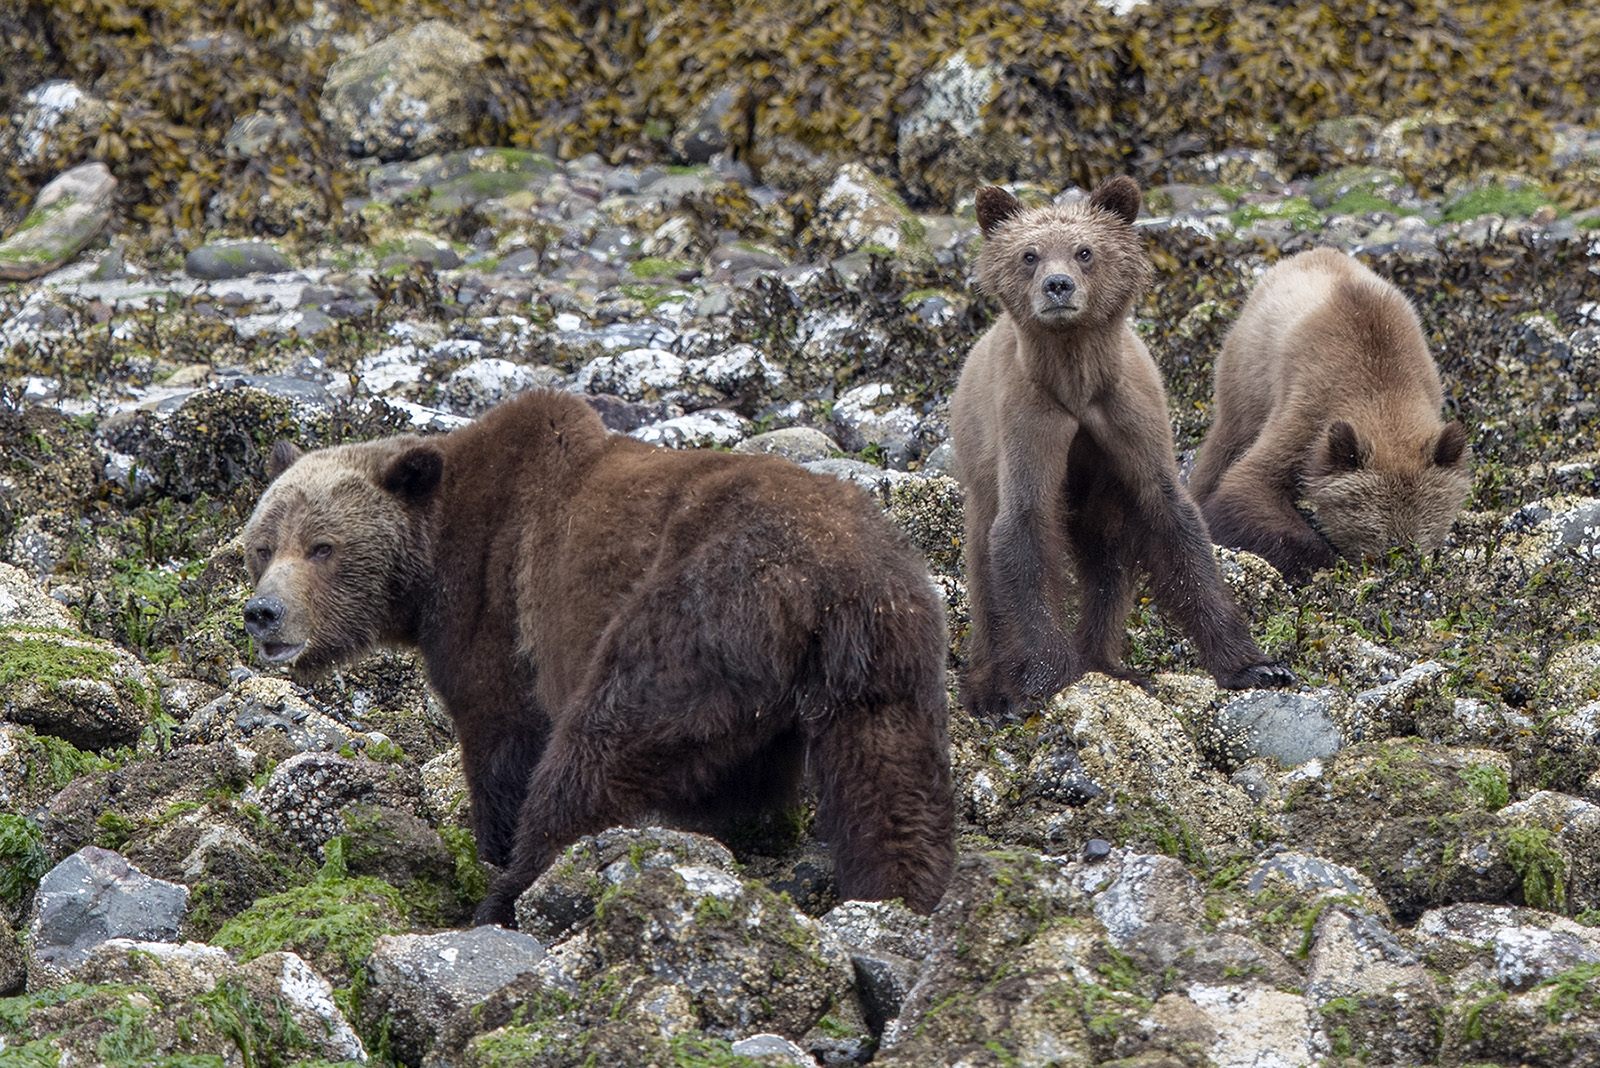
x: 263, y: 620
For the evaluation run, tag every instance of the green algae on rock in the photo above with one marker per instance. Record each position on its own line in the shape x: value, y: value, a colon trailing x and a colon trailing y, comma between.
x: 68, y: 214
x: 86, y: 692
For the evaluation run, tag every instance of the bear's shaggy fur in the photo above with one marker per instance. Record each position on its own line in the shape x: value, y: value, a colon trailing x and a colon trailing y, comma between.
x: 619, y: 629
x: 1064, y: 446
x: 1325, y: 388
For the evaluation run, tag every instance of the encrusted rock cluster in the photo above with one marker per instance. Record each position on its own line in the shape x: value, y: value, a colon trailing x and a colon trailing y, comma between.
x: 202, y: 859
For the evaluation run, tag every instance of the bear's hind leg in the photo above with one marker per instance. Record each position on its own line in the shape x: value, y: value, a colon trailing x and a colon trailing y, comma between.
x: 1097, y: 526
x: 635, y: 742
x: 887, y: 808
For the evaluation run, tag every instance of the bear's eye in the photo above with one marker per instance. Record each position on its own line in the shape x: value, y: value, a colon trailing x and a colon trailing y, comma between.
x: 263, y: 554
x: 1030, y: 258
x: 320, y: 551
x: 1085, y: 255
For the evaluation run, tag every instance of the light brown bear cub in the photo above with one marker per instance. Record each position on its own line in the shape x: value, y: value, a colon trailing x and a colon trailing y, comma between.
x: 1325, y: 388
x: 618, y: 629
x: 1064, y: 448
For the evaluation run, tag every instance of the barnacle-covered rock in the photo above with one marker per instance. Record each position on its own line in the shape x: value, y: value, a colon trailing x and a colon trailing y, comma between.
x: 410, y: 94
x: 86, y: 692
x: 944, y: 148
x: 859, y: 210
x: 153, y: 1002
x: 48, y: 123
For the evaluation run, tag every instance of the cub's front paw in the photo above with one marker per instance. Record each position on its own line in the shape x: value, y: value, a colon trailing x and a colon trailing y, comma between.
x: 988, y: 704
x: 1258, y: 677
x: 1045, y: 670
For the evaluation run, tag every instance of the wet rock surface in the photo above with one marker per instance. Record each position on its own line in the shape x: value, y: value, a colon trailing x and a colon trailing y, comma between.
x: 416, y: 982
x: 92, y: 896
x: 332, y: 222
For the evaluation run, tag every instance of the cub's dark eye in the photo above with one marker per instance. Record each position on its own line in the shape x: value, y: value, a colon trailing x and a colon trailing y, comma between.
x: 1030, y: 258
x: 320, y: 551
x: 263, y: 554
x: 1085, y: 255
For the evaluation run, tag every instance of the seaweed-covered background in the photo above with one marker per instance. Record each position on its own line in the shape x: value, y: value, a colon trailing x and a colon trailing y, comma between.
x: 1102, y: 94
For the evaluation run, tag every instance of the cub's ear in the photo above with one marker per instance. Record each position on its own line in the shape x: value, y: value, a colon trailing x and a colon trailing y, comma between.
x: 284, y: 454
x: 1120, y: 196
x: 1346, y: 452
x: 995, y: 206
x: 1451, y: 446
x: 414, y: 474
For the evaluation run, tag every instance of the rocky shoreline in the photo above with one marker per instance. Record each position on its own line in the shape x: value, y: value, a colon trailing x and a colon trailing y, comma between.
x: 202, y: 863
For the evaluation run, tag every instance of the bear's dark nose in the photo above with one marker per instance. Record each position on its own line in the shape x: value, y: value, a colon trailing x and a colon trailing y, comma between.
x: 263, y: 616
x: 1059, y: 287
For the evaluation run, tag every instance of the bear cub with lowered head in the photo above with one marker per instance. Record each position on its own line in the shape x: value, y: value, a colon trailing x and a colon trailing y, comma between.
x: 1325, y: 387
x: 1065, y: 451
x: 618, y: 629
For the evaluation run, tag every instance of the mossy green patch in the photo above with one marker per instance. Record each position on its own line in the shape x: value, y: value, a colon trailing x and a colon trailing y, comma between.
x: 54, y: 763
x: 510, y: 1047
x: 39, y: 216
x: 699, y: 1051
x: 265, y: 1033
x: 112, y: 830
x: 27, y: 658
x: 651, y: 296
x: 40, y: 1053
x: 653, y: 268
x: 333, y: 916
x: 23, y: 860
x: 1543, y: 872
x: 1490, y: 784
x: 1160, y: 827
x: 1297, y: 211
x: 1495, y: 200
x: 1575, y: 990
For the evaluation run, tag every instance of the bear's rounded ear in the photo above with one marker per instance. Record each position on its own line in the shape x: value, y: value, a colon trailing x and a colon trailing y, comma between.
x: 414, y: 474
x: 1451, y: 446
x: 1345, y: 450
x: 1120, y: 196
x: 284, y: 454
x: 995, y: 206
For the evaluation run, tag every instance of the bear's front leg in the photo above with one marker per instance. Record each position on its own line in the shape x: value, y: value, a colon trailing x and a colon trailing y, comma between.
x: 1252, y: 507
x: 572, y: 792
x: 1024, y: 566
x: 1017, y: 582
x: 497, y: 769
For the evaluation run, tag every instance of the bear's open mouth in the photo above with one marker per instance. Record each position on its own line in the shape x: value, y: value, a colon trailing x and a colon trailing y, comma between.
x: 274, y: 652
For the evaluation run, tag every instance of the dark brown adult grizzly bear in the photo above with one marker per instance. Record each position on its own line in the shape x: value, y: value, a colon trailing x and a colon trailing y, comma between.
x: 1063, y: 444
x: 618, y: 629
x: 1325, y: 388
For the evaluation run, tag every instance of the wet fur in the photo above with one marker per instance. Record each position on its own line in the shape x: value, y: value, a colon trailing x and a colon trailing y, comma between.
x: 1065, y: 453
x: 618, y: 629
x: 1325, y: 389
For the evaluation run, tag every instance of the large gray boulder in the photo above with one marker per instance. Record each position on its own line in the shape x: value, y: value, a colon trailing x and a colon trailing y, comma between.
x: 92, y: 896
